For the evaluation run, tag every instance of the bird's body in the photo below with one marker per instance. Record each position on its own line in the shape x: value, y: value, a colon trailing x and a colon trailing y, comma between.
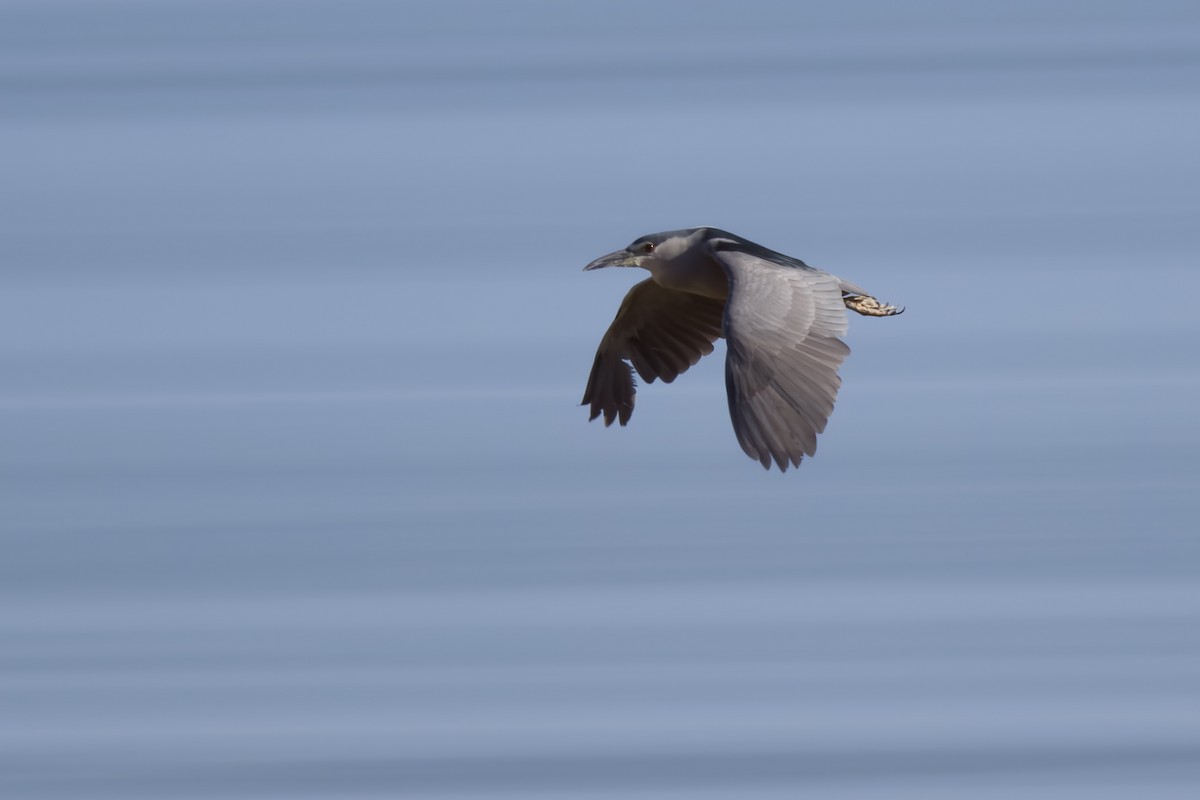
x: 780, y: 317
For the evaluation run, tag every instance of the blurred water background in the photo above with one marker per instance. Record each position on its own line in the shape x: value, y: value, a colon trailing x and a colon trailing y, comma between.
x: 297, y: 499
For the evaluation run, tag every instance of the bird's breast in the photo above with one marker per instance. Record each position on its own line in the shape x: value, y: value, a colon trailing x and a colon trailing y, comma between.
x: 701, y: 276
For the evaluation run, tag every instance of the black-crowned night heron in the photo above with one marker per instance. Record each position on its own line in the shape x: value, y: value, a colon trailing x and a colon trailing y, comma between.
x: 780, y: 317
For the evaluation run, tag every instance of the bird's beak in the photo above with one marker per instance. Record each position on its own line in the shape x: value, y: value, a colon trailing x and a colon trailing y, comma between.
x: 621, y: 258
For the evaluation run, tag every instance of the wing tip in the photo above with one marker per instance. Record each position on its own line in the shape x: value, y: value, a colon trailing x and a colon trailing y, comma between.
x: 611, y: 413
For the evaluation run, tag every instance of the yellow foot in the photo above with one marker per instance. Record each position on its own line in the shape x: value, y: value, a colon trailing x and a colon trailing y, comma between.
x: 869, y: 306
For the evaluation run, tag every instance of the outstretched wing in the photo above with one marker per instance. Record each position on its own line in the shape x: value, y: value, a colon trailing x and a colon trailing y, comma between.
x: 782, y: 324
x: 663, y: 332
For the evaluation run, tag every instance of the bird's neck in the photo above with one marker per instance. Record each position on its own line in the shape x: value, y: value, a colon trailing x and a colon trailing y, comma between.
x: 695, y: 275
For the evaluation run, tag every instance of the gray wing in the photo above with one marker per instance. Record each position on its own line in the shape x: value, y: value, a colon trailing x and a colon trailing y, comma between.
x: 782, y: 324
x: 663, y: 332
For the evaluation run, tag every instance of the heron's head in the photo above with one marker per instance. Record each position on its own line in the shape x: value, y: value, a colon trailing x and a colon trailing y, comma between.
x: 657, y: 247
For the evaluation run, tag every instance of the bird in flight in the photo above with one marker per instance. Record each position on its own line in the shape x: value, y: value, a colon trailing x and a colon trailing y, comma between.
x: 781, y: 320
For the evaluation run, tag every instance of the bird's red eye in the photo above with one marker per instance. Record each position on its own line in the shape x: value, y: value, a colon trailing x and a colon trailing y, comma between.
x: 648, y: 247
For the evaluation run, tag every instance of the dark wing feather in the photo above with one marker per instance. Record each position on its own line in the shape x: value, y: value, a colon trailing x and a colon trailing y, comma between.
x: 662, y: 332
